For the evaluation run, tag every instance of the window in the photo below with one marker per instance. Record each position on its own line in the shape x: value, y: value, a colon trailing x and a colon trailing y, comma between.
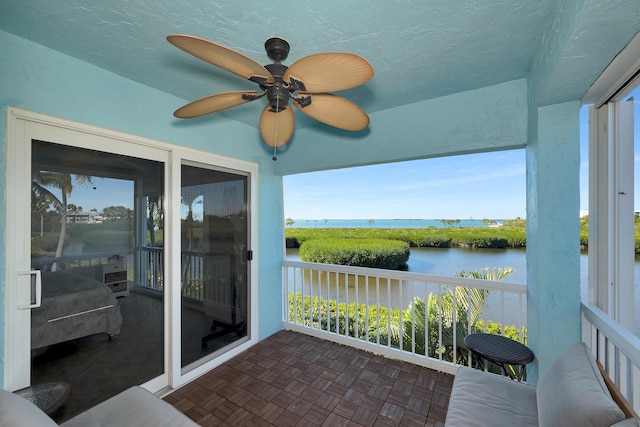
x: 613, y: 152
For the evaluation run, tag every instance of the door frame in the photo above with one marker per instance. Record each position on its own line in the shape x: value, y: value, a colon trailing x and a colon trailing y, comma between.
x: 22, y: 127
x: 182, y: 155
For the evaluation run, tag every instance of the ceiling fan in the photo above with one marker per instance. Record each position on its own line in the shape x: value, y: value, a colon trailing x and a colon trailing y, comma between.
x: 307, y: 82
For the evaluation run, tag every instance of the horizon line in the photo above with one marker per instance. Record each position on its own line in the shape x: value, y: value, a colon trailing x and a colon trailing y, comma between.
x: 402, y: 219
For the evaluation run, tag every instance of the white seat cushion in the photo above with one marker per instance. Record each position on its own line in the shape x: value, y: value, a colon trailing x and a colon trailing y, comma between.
x: 481, y: 399
x: 16, y: 411
x: 133, y: 407
x: 573, y: 393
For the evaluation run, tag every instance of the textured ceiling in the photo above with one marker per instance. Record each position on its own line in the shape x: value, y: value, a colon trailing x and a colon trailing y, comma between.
x: 420, y: 49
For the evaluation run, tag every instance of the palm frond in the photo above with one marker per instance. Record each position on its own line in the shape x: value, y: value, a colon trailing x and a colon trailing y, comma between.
x: 486, y: 273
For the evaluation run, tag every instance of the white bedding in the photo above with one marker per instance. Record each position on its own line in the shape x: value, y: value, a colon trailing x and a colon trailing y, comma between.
x: 73, y: 307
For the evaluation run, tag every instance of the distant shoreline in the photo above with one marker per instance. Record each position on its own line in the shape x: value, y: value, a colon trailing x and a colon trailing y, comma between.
x: 392, y: 223
x: 461, y: 235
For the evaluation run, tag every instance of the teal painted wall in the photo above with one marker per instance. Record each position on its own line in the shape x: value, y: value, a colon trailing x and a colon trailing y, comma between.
x: 38, y: 79
x: 486, y: 119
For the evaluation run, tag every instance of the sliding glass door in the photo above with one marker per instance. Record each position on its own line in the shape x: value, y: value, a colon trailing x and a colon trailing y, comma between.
x: 96, y: 240
x: 214, y: 251
x: 128, y: 260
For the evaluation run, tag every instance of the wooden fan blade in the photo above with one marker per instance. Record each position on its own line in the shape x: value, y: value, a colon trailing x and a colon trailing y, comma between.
x: 277, y: 128
x: 220, y: 56
x: 335, y: 111
x: 330, y: 72
x: 213, y: 104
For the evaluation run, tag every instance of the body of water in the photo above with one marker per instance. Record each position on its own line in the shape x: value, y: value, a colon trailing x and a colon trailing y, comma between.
x: 448, y: 261
x: 386, y: 223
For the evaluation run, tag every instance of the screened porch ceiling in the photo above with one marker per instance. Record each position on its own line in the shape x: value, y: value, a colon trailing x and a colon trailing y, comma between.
x: 419, y: 50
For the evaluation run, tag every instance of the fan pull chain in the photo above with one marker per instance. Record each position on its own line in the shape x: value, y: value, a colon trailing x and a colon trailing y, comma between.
x: 275, y: 145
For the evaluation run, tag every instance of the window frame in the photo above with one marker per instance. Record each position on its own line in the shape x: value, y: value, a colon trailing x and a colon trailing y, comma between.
x: 611, y: 187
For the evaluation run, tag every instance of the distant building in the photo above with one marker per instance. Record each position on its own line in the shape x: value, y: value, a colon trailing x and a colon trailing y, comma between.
x: 91, y: 217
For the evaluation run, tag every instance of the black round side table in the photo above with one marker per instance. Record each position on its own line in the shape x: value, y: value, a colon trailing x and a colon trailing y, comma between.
x: 502, y: 351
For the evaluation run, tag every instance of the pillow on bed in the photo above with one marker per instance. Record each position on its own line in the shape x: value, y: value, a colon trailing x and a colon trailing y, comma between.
x: 16, y: 411
x: 572, y: 392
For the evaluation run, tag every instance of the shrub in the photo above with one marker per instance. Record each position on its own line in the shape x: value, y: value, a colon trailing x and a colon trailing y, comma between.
x: 380, y: 324
x: 353, y: 320
x: 512, y: 331
x: 516, y: 238
x: 434, y: 242
x: 485, y: 242
x: 45, y: 244
x: 100, y: 240
x: 373, y: 253
x: 479, y: 237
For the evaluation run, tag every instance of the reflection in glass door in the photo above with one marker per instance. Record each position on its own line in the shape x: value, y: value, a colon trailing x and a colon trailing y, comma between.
x: 214, y: 273
x: 97, y: 239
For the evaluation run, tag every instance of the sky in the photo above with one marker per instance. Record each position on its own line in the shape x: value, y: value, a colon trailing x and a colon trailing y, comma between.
x: 102, y: 193
x: 478, y: 186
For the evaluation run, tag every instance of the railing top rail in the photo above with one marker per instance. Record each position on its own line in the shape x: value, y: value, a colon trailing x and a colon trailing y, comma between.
x: 406, y: 275
x: 94, y: 255
x: 623, y: 339
x: 151, y: 248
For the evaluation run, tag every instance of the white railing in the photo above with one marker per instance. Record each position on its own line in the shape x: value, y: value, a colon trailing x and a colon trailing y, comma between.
x: 616, y: 348
x: 150, y: 269
x: 192, y: 274
x: 68, y: 262
x: 386, y: 310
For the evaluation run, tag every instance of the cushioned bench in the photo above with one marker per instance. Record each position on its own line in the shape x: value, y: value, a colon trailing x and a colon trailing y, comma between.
x: 572, y: 392
x: 133, y: 407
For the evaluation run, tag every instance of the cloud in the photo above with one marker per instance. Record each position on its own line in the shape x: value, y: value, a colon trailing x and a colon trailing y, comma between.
x: 486, y: 185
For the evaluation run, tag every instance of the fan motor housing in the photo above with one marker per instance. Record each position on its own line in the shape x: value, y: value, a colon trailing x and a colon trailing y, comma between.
x: 278, y: 96
x: 278, y: 93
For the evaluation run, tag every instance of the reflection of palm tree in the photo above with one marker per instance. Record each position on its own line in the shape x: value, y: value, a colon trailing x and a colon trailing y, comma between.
x: 62, y: 181
x: 39, y: 205
x: 154, y: 215
x: 190, y: 203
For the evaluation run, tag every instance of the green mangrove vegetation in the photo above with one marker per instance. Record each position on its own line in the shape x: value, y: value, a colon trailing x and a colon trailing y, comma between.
x: 512, y: 234
x: 373, y: 253
x: 472, y: 237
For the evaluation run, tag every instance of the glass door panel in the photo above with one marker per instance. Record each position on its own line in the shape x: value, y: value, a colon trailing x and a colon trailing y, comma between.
x: 97, y: 239
x: 214, y: 275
